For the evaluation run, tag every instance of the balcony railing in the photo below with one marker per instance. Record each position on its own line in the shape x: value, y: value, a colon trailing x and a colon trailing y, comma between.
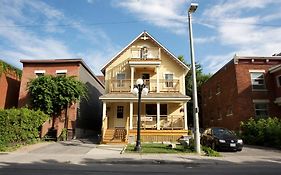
x: 151, y: 84
x: 148, y: 53
x: 168, y: 122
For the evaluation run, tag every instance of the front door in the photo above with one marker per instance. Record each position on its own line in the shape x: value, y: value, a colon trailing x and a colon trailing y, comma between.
x: 120, y: 117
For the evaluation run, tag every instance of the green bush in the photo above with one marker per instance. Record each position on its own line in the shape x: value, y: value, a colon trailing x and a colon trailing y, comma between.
x: 262, y: 131
x: 19, y: 126
x: 210, y: 152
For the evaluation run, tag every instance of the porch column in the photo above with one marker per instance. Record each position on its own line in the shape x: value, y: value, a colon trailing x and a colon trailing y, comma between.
x: 131, y: 115
x: 132, y: 78
x: 185, y: 116
x: 157, y: 79
x: 158, y: 116
x: 103, y: 110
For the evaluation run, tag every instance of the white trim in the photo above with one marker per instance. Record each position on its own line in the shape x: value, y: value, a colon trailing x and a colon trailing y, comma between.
x: 40, y: 71
x: 175, y: 99
x: 258, y: 70
x: 261, y: 101
x: 275, y: 68
x: 61, y: 71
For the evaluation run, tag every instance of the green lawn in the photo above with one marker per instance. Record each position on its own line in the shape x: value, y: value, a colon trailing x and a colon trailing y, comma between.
x: 159, y: 148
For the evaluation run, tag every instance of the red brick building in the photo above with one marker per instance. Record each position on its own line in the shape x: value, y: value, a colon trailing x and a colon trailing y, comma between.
x: 245, y: 87
x: 84, y: 119
x: 9, y: 85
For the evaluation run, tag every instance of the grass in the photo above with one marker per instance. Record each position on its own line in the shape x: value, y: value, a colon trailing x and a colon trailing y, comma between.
x: 159, y: 148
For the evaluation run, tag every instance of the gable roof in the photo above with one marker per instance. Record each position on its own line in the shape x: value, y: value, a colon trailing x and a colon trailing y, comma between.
x: 153, y: 39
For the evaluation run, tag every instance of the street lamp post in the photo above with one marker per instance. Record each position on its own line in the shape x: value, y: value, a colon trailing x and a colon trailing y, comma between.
x: 139, y: 89
x: 191, y: 10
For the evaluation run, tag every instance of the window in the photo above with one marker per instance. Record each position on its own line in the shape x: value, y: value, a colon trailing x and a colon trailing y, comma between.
x: 39, y: 73
x: 169, y: 80
x: 61, y: 72
x: 261, y: 109
x: 257, y: 79
x: 144, y: 52
x: 120, y: 111
x: 120, y: 79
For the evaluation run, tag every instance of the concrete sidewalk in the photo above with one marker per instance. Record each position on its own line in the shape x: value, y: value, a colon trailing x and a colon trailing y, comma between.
x: 77, y: 152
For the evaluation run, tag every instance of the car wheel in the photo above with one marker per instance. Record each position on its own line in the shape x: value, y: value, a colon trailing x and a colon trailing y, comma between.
x: 239, y: 149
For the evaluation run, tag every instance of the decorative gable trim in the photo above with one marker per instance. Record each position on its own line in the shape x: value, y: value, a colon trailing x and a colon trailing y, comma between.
x: 145, y: 33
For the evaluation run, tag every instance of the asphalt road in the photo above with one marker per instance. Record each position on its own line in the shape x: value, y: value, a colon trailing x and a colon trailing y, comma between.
x: 121, y: 169
x: 81, y: 158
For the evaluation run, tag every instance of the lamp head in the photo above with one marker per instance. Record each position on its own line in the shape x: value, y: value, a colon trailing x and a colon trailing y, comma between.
x: 144, y: 91
x: 135, y: 91
x: 139, y: 81
x: 193, y: 7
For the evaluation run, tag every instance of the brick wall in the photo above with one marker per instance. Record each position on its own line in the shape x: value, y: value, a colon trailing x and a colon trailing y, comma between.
x: 9, y: 90
x: 236, y: 94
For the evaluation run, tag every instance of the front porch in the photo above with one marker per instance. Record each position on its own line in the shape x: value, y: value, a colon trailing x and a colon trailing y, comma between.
x: 159, y: 121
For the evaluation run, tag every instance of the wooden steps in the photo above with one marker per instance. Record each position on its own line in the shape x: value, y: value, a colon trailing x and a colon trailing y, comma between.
x: 115, y: 136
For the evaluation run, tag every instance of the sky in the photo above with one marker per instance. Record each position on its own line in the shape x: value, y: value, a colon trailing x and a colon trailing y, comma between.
x: 96, y: 30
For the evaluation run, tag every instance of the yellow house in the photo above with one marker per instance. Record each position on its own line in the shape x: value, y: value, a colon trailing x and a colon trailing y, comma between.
x: 163, y: 110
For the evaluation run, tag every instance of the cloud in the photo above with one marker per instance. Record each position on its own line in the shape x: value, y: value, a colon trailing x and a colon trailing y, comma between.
x: 203, y: 40
x: 161, y: 13
x: 244, y: 27
x: 47, y: 41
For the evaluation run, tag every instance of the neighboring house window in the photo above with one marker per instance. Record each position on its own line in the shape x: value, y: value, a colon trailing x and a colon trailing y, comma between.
x: 120, y: 111
x: 257, y: 79
x: 169, y: 80
x: 218, y: 89
x: 39, y: 73
x: 229, y: 111
x: 61, y: 72
x: 261, y: 109
x: 279, y: 81
x: 120, y: 79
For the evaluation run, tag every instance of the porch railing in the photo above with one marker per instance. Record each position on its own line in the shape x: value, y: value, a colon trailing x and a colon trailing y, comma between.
x: 167, y: 122
x: 164, y: 85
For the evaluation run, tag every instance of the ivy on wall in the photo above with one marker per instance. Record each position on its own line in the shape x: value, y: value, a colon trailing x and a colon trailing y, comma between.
x: 7, y: 68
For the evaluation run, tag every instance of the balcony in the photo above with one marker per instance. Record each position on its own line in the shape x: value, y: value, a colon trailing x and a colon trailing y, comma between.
x: 164, y: 85
x: 148, y: 57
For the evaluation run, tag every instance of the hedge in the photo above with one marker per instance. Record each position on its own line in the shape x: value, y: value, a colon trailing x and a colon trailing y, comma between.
x: 262, y: 131
x: 19, y: 126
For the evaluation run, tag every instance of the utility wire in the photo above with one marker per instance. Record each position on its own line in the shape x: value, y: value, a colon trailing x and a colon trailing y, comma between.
x: 207, y: 22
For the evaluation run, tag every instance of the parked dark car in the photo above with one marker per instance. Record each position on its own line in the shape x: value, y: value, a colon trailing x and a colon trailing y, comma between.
x: 221, y: 139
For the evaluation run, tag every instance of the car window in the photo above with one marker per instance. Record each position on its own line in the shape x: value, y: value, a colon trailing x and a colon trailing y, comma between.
x: 222, y: 132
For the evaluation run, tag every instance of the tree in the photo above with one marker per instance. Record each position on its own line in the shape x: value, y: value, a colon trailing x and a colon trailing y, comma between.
x: 53, y: 94
x: 201, y: 78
